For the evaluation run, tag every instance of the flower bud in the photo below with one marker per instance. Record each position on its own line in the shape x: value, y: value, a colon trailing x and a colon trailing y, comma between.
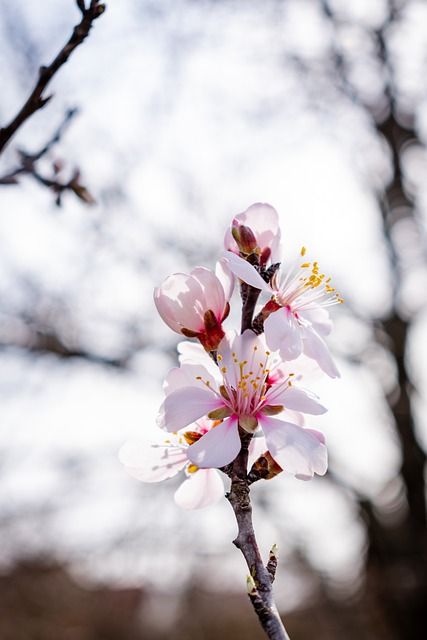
x: 213, y: 333
x: 244, y: 237
x: 251, y: 586
x: 264, y: 257
x: 265, y: 467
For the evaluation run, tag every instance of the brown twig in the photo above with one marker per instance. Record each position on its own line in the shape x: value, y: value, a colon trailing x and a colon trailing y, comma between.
x: 261, y: 592
x: 249, y: 297
x: 36, y: 99
x: 28, y: 166
x: 260, y: 580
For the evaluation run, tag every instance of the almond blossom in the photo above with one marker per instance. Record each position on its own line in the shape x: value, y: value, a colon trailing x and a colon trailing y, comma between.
x: 196, y: 304
x: 249, y: 387
x: 155, y: 460
x: 256, y: 230
x: 295, y: 318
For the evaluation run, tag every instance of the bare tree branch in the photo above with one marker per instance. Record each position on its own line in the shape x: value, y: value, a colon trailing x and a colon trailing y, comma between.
x: 261, y: 577
x: 36, y: 99
x: 28, y: 166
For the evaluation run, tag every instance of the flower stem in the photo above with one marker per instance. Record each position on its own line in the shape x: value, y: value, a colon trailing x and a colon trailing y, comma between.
x: 261, y: 593
x: 250, y: 296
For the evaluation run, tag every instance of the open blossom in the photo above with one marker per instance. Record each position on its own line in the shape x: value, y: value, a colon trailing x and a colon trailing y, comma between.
x: 256, y: 230
x: 196, y: 304
x: 295, y: 319
x: 249, y: 387
x: 157, y: 460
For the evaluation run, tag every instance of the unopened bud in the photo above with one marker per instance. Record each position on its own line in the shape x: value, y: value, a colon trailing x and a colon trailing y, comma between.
x: 244, y: 237
x: 213, y: 333
x: 273, y: 468
x: 265, y: 467
x: 250, y: 585
x: 265, y: 254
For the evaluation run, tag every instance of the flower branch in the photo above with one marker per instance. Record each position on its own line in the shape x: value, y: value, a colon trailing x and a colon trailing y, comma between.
x: 235, y: 405
x: 261, y: 577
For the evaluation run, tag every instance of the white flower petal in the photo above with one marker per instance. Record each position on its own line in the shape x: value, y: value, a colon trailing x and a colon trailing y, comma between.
x: 194, y: 353
x: 180, y: 302
x: 296, y: 399
x: 201, y: 489
x: 283, y: 334
x: 298, y: 451
x: 226, y: 277
x: 183, y: 406
x: 315, y: 347
x: 213, y: 291
x: 246, y: 272
x: 295, y: 417
x: 218, y: 447
x: 152, y: 461
x: 257, y: 447
x: 186, y: 376
x: 319, y: 318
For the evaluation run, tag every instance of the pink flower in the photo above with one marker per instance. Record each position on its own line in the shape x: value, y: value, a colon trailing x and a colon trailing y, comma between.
x: 295, y: 318
x: 249, y: 387
x: 153, y: 461
x: 196, y: 304
x: 256, y: 230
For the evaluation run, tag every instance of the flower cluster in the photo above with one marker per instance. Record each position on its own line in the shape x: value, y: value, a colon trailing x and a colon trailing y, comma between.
x: 229, y: 384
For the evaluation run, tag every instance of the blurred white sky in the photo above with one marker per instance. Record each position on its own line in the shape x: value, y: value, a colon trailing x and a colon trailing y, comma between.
x: 194, y: 112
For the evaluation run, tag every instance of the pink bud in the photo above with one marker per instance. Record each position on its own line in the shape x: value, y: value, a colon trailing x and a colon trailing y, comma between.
x: 256, y: 229
x: 195, y: 305
x: 244, y: 237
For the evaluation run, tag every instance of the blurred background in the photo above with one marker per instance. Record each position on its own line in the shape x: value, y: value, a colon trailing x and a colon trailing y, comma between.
x: 188, y: 112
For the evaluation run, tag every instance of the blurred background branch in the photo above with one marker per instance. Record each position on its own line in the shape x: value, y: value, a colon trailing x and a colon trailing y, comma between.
x: 36, y: 100
x: 28, y: 165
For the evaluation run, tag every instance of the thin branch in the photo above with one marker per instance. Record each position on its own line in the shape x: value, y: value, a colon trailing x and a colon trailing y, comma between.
x: 28, y: 160
x: 28, y: 166
x: 250, y: 297
x: 260, y: 580
x: 36, y: 99
x: 261, y: 595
